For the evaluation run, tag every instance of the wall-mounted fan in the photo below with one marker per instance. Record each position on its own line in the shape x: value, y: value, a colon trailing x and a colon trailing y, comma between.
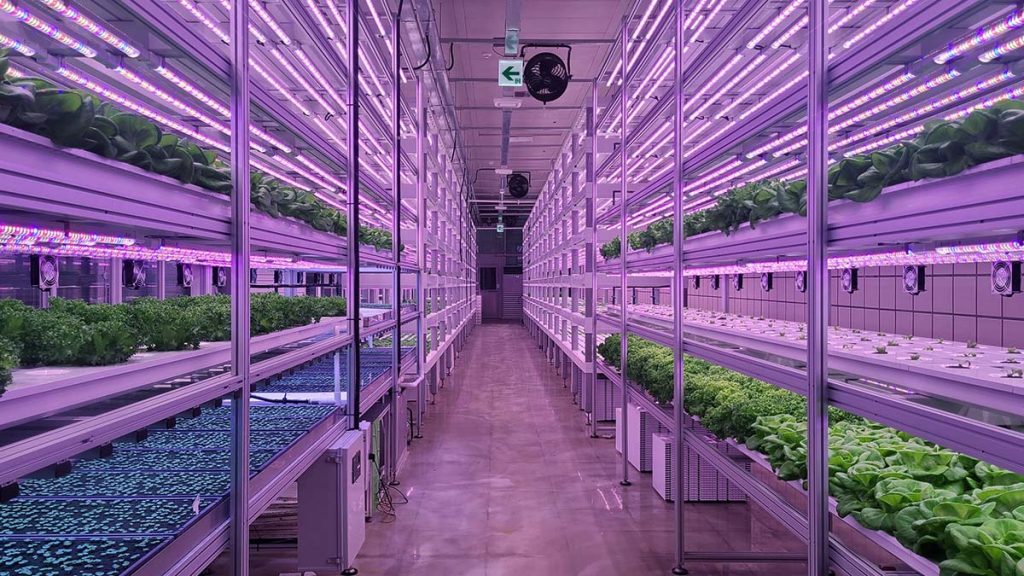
x: 695, y: 282
x: 766, y: 281
x: 185, y: 277
x: 220, y: 276
x: 45, y: 272
x: 332, y: 278
x: 278, y: 276
x: 315, y: 278
x: 737, y: 282
x: 1005, y: 277
x: 801, y: 281
x: 518, y: 185
x: 300, y: 278
x: 913, y: 279
x: 133, y: 274
x: 546, y: 77
x: 716, y: 281
x: 848, y: 280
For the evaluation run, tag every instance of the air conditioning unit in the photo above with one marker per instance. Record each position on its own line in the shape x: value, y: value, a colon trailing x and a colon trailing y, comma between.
x: 640, y: 427
x: 662, y: 454
x: 332, y: 506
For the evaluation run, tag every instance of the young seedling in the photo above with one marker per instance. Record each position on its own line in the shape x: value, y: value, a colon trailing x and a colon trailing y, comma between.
x: 1015, y: 373
x: 929, y: 348
x: 972, y: 344
x: 915, y: 356
x: 1012, y: 350
x: 881, y: 350
x: 893, y: 343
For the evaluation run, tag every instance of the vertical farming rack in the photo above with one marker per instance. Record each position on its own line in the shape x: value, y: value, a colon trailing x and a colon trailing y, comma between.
x: 247, y: 209
x: 843, y: 175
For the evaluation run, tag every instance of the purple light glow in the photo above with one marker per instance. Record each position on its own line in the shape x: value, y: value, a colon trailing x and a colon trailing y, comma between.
x: 25, y: 17
x: 92, y: 27
x: 16, y: 45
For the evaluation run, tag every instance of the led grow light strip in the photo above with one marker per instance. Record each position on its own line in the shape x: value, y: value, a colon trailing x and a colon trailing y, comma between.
x: 693, y: 20
x: 850, y: 15
x: 986, y: 84
x: 736, y: 78
x: 885, y: 19
x: 16, y: 45
x: 894, y: 101
x: 722, y: 71
x: 613, y: 77
x: 774, y: 23
x: 1002, y: 49
x: 139, y: 108
x: 315, y: 11
x: 260, y: 38
x: 287, y: 66
x: 707, y: 21
x: 92, y: 27
x: 280, y: 175
x: 192, y: 90
x: 380, y: 26
x: 13, y: 234
x: 318, y: 77
x: 276, y: 84
x: 982, y: 36
x: 203, y: 18
x: 25, y: 17
x: 270, y: 22
x: 914, y: 130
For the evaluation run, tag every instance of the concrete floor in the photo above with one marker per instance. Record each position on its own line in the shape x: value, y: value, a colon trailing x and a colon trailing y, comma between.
x: 506, y: 481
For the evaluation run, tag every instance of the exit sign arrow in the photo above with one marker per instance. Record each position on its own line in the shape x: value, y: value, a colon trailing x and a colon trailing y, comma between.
x: 511, y: 74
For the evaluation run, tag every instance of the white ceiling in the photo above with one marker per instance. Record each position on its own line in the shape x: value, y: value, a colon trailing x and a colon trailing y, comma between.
x: 477, y: 28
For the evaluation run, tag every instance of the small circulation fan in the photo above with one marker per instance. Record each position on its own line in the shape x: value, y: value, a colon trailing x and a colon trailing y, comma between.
x: 801, y: 281
x: 766, y: 281
x: 134, y: 274
x: 518, y: 186
x: 913, y: 279
x: 546, y: 77
x: 45, y: 272
x: 185, y: 276
x: 1005, y: 278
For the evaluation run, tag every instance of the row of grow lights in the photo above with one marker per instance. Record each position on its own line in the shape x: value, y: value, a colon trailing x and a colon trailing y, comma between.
x: 898, y: 98
x: 182, y: 106
x: 43, y: 241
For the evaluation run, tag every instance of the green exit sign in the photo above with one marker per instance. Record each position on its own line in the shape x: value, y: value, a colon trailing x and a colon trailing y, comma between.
x: 510, y: 73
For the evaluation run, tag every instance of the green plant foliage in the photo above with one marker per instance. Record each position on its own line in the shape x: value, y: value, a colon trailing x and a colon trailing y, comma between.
x: 942, y: 149
x: 967, y: 515
x: 8, y: 362
x: 76, y: 119
x: 107, y: 342
x: 51, y: 338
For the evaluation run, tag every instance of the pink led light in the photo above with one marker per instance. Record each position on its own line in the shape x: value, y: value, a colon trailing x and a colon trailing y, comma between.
x: 136, y: 107
x: 654, y: 26
x: 260, y: 38
x: 192, y: 90
x: 318, y: 77
x: 270, y: 22
x: 722, y: 71
x: 287, y: 66
x: 774, y: 23
x: 850, y: 15
x: 93, y: 28
x: 315, y: 11
x: 707, y: 21
x: 736, y: 78
x: 338, y: 184
x: 862, y: 99
x: 1002, y: 49
x: 380, y: 26
x: 885, y: 19
x: 695, y: 191
x: 12, y: 234
x: 982, y: 36
x: 205, y: 19
x: 16, y: 45
x: 25, y: 17
x: 927, y: 108
x: 276, y: 84
x: 693, y: 20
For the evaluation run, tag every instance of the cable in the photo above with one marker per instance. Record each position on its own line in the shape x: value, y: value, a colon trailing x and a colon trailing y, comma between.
x: 451, y: 56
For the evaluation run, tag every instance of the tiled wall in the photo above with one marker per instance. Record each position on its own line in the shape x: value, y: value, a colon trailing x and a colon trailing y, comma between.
x: 957, y: 303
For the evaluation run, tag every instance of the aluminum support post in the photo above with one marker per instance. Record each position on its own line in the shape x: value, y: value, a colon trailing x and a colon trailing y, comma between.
x: 396, y: 242
x: 678, y: 415
x: 354, y: 375
x: 817, y: 294
x: 623, y: 245
x: 421, y: 251
x: 239, y: 505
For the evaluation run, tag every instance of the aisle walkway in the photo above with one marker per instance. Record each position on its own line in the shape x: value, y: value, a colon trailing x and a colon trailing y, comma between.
x: 508, y: 482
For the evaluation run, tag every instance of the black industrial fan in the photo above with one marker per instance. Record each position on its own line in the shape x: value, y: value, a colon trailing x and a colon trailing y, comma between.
x: 766, y: 281
x: 45, y: 272
x: 518, y: 186
x: 185, y: 276
x: 801, y: 281
x: 913, y: 279
x: 848, y: 280
x: 546, y: 77
x: 133, y: 274
x: 695, y: 282
x: 737, y: 282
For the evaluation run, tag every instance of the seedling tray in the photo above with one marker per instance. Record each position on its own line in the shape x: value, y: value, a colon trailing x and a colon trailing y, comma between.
x: 264, y: 423
x: 189, y: 440
x: 58, y: 556
x: 90, y: 484
x: 170, y: 460
x: 97, y: 517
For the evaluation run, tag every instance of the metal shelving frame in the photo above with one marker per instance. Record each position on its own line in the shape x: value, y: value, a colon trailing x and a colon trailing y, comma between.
x: 65, y: 187
x: 917, y: 215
